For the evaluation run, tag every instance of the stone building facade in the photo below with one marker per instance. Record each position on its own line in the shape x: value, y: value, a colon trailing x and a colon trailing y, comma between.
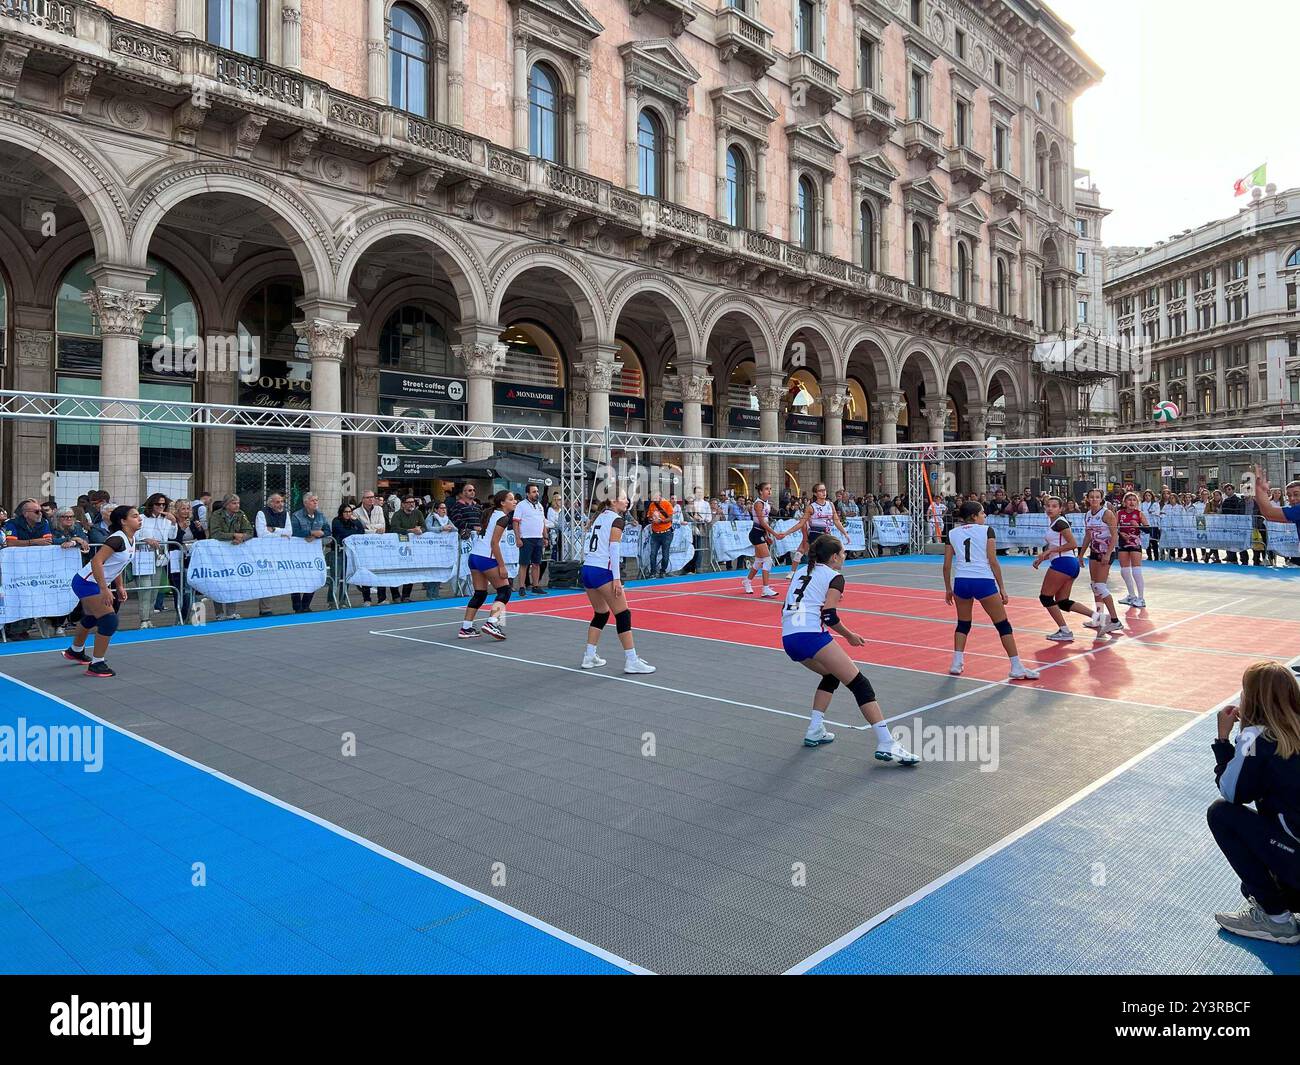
x: 818, y: 220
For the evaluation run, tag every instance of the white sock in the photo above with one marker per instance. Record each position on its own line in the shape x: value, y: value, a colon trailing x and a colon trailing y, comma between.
x: 1280, y: 918
x: 1016, y: 665
x: 958, y: 658
x: 817, y: 718
x: 1140, y: 582
x: 630, y: 655
x: 95, y: 661
x: 1063, y: 628
x: 883, y: 736
x: 79, y: 646
x: 591, y: 650
x: 1127, y: 573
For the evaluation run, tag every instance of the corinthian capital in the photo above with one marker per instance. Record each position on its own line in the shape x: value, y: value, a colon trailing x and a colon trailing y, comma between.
x: 325, y: 337
x: 481, y: 360
x: 834, y: 403
x: 598, y: 373
x: 695, y: 387
x: 34, y: 347
x: 770, y: 396
x: 121, y: 312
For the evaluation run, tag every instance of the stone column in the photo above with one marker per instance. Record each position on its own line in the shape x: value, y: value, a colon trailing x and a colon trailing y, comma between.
x: 365, y: 393
x: 977, y: 414
x: 482, y: 353
x: 456, y: 12
x: 190, y: 19
x: 835, y: 398
x: 519, y: 100
x: 1163, y: 366
x: 890, y: 403
x: 376, y: 53
x: 1017, y: 289
x: 218, y: 472
x: 760, y: 196
x: 596, y: 372
x: 682, y: 154
x: 721, y: 131
x: 694, y: 384
x: 33, y: 453
x: 771, y: 390
x: 326, y: 330
x: 121, y: 312
x: 793, y: 236
x: 1220, y: 379
x: 582, y: 116
x: 291, y: 34
x: 828, y: 217
x: 632, y: 113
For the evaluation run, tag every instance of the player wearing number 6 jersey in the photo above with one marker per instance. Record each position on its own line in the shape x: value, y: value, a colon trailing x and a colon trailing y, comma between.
x: 809, y: 611
x: 971, y: 554
x: 604, y: 587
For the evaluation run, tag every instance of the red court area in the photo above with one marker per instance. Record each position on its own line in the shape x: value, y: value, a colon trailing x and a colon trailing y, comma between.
x: 1186, y: 660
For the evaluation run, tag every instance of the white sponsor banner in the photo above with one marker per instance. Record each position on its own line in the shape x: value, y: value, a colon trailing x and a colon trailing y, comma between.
x: 730, y: 540
x: 260, y: 568
x: 389, y: 560
x: 857, y: 538
x: 1231, y: 532
x: 1018, y: 530
x: 630, y: 545
x: 36, y: 582
x: 892, y: 530
x: 788, y: 543
x: 1284, y: 538
x: 509, y: 553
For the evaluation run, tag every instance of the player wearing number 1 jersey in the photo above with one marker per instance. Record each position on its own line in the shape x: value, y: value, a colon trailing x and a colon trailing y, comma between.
x: 971, y: 554
x: 809, y: 611
x: 600, y: 577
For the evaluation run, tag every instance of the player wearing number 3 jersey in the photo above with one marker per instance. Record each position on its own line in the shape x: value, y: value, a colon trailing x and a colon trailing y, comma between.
x: 809, y: 611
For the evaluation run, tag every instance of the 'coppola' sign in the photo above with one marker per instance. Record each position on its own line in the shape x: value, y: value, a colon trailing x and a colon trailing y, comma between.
x: 534, y: 397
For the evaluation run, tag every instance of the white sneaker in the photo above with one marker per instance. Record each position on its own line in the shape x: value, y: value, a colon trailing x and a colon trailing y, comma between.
x: 769, y: 593
x: 748, y: 586
x: 490, y: 627
x: 1108, y: 626
x: 815, y: 738
x: 896, y: 752
x: 637, y: 666
x: 146, y: 624
x: 1025, y: 674
x: 1061, y: 636
x: 954, y: 670
x: 1139, y: 602
x: 592, y: 661
x: 1093, y: 622
x: 1128, y: 600
x: 468, y: 634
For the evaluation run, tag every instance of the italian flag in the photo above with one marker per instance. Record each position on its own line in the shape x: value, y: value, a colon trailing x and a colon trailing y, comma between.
x: 1255, y: 177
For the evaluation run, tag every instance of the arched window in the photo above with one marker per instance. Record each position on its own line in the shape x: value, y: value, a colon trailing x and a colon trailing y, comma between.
x: 867, y: 221
x: 175, y: 317
x: 1038, y: 102
x: 1040, y: 164
x: 737, y: 200
x: 412, y: 339
x: 920, y: 254
x: 1003, y: 286
x: 963, y: 272
x: 807, y: 208
x: 650, y: 153
x: 236, y: 25
x: 1294, y: 258
x: 408, y: 61
x: 544, y: 113
x: 1054, y: 165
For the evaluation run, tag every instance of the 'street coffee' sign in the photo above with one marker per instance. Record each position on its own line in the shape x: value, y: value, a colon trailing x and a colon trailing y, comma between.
x: 420, y: 388
x: 534, y: 397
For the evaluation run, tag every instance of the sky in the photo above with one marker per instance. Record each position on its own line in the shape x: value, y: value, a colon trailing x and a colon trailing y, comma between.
x: 1196, y: 95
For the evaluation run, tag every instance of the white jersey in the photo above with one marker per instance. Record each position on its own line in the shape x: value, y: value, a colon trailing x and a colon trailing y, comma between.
x: 821, y: 518
x: 1055, y: 536
x: 1095, y: 523
x: 123, y: 550
x: 600, y: 552
x: 805, y: 598
x: 971, y: 551
x: 763, y: 509
x: 483, y: 541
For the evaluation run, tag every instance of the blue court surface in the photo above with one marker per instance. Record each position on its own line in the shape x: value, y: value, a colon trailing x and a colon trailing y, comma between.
x: 524, y: 831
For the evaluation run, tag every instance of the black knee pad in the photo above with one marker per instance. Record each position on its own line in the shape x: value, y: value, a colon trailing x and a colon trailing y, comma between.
x: 623, y: 621
x: 828, y: 684
x: 1047, y: 601
x: 478, y: 599
x: 87, y: 622
x: 108, y: 625
x: 598, y: 620
x: 1003, y: 627
x: 862, y: 690
x: 963, y: 626
x: 503, y: 594
x: 1065, y: 604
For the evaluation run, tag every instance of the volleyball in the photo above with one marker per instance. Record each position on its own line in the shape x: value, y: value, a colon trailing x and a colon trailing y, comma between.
x: 1165, y: 411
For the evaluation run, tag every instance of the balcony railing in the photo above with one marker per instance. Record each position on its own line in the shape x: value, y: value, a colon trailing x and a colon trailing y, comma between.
x: 1005, y: 189
x: 966, y: 167
x: 922, y: 141
x: 741, y: 36
x: 54, y: 15
x: 872, y: 113
x: 816, y: 79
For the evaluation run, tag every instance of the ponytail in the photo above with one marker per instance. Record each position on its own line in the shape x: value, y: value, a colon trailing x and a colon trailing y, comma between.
x: 485, y: 518
x: 822, y: 550
x: 118, y: 516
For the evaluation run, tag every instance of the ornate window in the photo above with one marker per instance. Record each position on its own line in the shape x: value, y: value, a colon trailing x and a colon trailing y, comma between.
x: 1040, y: 164
x: 236, y: 25
x: 920, y: 254
x: 412, y: 339
x: 658, y: 80
x: 806, y: 26
x: 1294, y: 258
x: 1054, y: 165
x: 409, y: 61
x: 737, y: 213
x: 742, y: 116
x: 807, y: 213
x: 867, y: 229
x: 650, y: 154
x: 963, y: 292
x: 544, y: 113
x: 1002, y: 282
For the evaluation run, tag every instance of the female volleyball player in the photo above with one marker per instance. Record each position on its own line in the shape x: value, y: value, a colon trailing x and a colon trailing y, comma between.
x: 809, y: 611
x: 818, y: 519
x: 1130, y: 524
x: 972, y: 553
x: 604, y: 587
x: 761, y: 536
x: 93, y: 585
x: 1099, y: 535
x: 488, y: 569
x: 1061, y: 554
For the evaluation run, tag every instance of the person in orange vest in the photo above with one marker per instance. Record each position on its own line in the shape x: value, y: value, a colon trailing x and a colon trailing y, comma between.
x: 660, y: 516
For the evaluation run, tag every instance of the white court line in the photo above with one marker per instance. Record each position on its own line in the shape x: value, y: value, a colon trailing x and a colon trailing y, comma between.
x: 606, y: 676
x: 815, y: 959
x: 370, y: 845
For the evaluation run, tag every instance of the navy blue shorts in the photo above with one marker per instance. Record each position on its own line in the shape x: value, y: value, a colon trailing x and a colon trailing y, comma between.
x: 974, y: 587
x: 1067, y: 564
x: 596, y: 576
x: 483, y: 565
x: 530, y: 551
x: 801, y: 646
x: 82, y: 588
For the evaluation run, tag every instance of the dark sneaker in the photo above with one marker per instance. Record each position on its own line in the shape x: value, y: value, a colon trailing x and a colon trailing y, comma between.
x: 73, y: 655
x: 540, y: 591
x: 100, y: 669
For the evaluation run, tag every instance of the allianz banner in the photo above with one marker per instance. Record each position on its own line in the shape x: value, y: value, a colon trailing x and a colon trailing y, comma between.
x: 36, y: 582
x: 1284, y: 538
x: 1230, y: 532
x: 260, y: 568
x: 389, y: 560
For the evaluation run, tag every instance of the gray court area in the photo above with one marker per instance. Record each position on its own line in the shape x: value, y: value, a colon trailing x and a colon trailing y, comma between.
x: 727, y: 848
